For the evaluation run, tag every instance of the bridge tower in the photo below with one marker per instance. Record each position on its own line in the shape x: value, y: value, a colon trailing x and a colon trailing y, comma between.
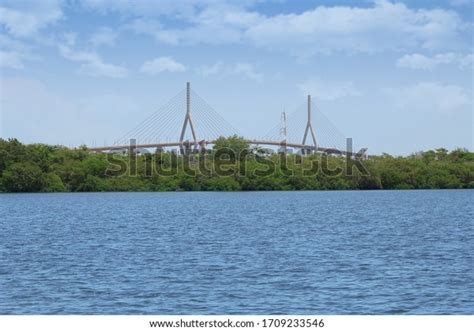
x: 283, y: 134
x: 309, y: 126
x: 188, y: 120
x: 283, y: 128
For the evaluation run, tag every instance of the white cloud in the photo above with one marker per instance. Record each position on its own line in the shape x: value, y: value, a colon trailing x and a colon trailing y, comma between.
x: 384, y: 26
x: 243, y: 69
x: 25, y: 18
x: 92, y: 64
x: 208, y: 70
x: 13, y: 53
x: 104, y: 36
x: 217, y: 25
x: 187, y: 9
x: 162, y: 64
x: 429, y: 96
x: 145, y: 8
x: 467, y: 62
x: 423, y: 62
x: 419, y: 61
x: 154, y: 29
x: 329, y: 90
x: 248, y: 70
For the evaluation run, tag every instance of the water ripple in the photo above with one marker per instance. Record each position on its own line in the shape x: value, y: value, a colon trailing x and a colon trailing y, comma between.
x: 400, y: 252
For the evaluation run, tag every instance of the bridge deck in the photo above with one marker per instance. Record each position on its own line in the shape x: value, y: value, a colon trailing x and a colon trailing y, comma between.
x: 210, y: 142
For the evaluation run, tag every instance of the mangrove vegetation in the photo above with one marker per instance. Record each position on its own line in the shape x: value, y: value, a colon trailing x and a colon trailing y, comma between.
x: 231, y: 165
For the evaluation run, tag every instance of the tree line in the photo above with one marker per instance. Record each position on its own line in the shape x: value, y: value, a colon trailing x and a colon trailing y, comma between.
x: 231, y: 165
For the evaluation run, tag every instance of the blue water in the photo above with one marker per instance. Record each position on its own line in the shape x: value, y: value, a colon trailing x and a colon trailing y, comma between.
x: 385, y: 252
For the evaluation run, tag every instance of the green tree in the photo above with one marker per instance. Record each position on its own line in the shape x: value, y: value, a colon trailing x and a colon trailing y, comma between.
x: 221, y: 184
x: 237, y: 144
x: 53, y: 183
x: 92, y: 184
x: 22, y: 177
x: 44, y: 168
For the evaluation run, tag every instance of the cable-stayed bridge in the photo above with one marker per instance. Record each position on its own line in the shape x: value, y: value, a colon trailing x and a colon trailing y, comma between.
x: 189, y: 123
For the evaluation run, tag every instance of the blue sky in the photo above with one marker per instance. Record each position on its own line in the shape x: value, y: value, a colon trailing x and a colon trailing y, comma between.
x: 395, y: 76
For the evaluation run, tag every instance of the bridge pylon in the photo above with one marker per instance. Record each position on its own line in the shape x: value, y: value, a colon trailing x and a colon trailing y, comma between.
x: 309, y: 126
x: 283, y: 134
x: 188, y: 120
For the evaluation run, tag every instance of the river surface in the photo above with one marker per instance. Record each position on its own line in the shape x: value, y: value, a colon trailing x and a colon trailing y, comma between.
x: 368, y: 252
